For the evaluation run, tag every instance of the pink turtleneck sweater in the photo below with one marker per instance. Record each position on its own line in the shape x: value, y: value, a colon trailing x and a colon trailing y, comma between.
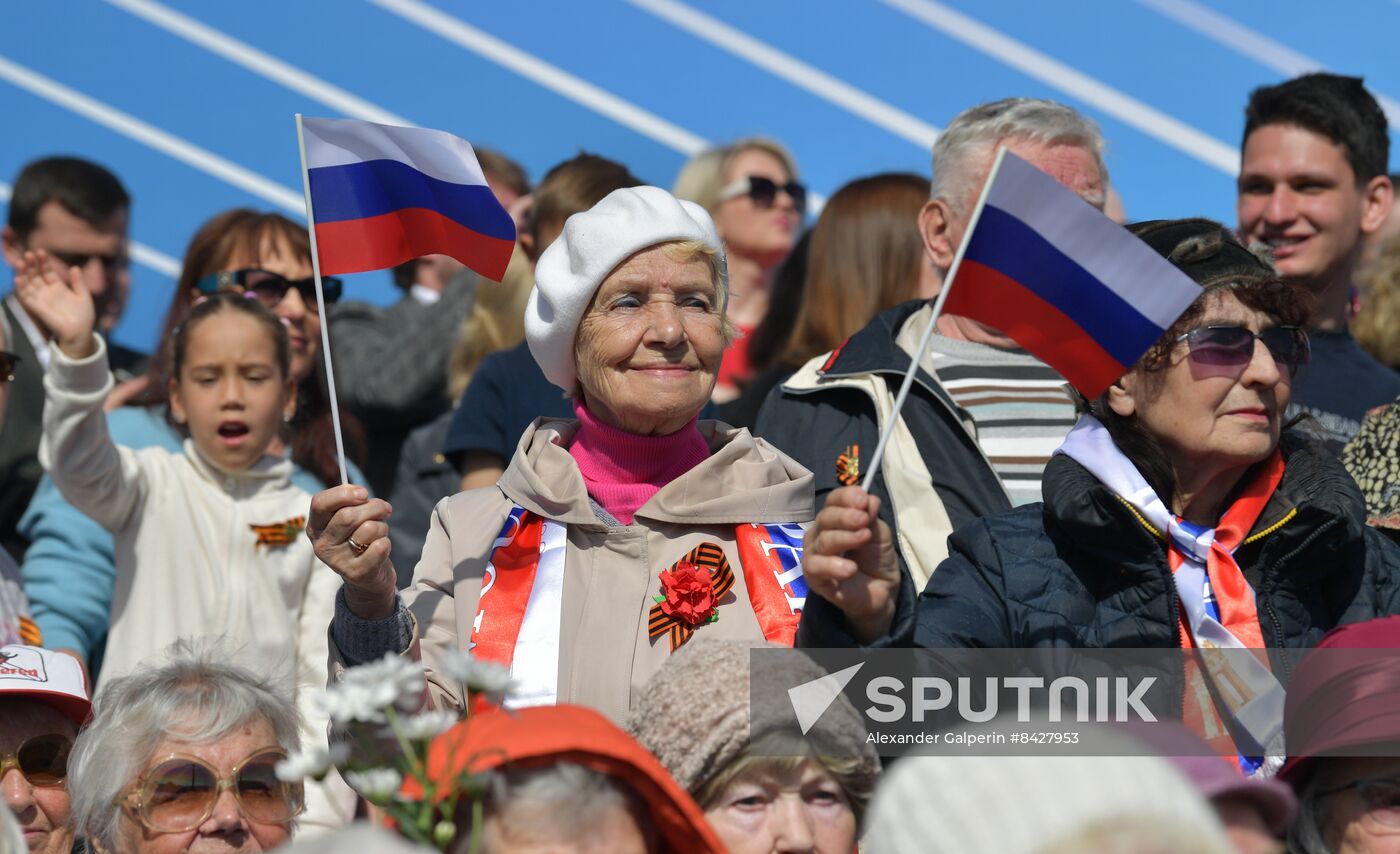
x: 624, y: 470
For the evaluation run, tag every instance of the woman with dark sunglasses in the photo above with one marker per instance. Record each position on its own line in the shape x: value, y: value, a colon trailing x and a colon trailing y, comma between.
x: 182, y: 756
x: 751, y: 190
x: 1180, y: 512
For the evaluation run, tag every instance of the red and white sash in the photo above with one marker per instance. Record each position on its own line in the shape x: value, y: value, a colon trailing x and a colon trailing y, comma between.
x: 519, y: 610
x: 523, y: 588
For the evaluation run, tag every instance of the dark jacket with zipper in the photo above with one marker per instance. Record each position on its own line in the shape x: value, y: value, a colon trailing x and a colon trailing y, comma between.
x: 1084, y: 570
x: 829, y: 409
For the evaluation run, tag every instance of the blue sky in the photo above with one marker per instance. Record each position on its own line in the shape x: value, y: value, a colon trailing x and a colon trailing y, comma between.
x: 192, y: 103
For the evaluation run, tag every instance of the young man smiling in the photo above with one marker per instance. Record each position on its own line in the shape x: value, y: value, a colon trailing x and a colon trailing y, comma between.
x: 1312, y: 187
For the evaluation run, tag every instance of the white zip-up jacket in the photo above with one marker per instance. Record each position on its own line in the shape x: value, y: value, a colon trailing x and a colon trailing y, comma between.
x: 188, y: 561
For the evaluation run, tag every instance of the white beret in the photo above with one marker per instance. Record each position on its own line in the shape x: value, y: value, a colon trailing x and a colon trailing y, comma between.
x: 593, y: 244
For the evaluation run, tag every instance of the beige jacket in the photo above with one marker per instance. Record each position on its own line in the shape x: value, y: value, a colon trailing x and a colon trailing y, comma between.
x: 610, y: 574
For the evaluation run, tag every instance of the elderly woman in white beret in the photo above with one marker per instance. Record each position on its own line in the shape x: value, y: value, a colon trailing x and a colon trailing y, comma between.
x: 614, y: 537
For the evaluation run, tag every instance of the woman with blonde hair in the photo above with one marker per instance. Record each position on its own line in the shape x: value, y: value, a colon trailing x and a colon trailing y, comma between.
x: 496, y: 322
x: 865, y: 255
x: 750, y: 188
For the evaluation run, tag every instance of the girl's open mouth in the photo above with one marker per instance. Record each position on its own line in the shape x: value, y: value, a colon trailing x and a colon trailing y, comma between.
x: 233, y: 432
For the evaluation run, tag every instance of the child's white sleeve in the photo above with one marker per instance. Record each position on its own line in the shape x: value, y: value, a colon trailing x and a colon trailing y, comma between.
x: 106, y: 482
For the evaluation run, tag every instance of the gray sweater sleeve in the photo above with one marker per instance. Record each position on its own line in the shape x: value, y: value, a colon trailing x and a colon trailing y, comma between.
x: 362, y: 641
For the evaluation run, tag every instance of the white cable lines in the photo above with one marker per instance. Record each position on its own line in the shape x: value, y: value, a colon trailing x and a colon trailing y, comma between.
x: 147, y: 134
x: 1030, y: 61
x: 794, y: 71
x: 259, y: 62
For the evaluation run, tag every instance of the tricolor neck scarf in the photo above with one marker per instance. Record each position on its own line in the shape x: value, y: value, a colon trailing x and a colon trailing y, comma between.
x: 624, y: 470
x: 1217, y: 603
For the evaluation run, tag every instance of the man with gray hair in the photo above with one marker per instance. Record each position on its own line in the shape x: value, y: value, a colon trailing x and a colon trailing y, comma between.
x: 984, y: 415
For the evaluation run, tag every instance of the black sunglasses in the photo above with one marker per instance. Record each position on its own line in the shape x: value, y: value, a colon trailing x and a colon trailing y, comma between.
x: 8, y: 362
x: 269, y: 288
x: 43, y: 759
x: 764, y: 191
x: 1233, y: 346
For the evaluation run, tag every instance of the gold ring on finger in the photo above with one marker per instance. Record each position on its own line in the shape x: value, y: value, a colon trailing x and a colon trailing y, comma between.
x: 358, y: 547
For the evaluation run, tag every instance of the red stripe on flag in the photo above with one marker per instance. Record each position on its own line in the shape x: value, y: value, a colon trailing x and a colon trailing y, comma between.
x: 379, y: 242
x: 981, y: 293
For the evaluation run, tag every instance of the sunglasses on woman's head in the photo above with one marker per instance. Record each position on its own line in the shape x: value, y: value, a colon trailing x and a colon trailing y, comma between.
x: 269, y: 288
x: 43, y: 759
x: 179, y: 794
x: 8, y: 361
x: 1233, y: 346
x: 764, y: 191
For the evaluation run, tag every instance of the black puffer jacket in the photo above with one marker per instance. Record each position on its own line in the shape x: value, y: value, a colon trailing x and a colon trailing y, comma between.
x: 1080, y: 570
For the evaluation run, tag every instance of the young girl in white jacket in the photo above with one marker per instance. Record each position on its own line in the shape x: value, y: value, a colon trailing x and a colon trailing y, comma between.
x: 209, y: 541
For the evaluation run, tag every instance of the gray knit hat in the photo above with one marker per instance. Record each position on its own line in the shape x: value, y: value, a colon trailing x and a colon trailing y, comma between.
x: 694, y: 715
x: 1025, y: 804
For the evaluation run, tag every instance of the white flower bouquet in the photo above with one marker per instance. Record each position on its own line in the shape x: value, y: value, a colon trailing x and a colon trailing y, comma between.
x: 379, y: 695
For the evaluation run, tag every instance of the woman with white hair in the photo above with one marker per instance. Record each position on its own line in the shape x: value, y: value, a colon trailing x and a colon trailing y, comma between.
x: 181, y: 756
x: 611, y: 538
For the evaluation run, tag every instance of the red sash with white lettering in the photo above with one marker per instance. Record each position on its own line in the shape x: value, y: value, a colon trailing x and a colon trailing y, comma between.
x: 771, y: 556
x: 518, y: 611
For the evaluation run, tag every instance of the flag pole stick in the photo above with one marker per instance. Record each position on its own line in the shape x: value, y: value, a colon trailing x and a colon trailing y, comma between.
x: 918, y: 356
x: 321, y: 307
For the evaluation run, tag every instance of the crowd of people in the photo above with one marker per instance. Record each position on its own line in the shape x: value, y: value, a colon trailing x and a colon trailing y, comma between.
x: 639, y: 457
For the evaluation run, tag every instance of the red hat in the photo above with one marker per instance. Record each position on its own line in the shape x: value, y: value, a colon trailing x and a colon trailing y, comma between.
x: 55, y: 678
x: 545, y: 735
x: 1340, y: 701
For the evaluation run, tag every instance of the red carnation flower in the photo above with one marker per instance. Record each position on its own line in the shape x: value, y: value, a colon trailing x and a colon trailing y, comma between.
x: 689, y: 594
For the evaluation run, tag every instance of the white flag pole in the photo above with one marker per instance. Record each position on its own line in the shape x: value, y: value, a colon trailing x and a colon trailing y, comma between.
x: 321, y: 306
x: 918, y: 356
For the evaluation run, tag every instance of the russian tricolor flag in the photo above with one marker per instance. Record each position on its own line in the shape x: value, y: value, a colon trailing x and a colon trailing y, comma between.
x: 1075, y: 289
x: 381, y: 195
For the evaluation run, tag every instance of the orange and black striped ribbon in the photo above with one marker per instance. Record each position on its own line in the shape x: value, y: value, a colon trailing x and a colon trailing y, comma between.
x: 29, y: 632
x: 709, y: 556
x: 279, y: 533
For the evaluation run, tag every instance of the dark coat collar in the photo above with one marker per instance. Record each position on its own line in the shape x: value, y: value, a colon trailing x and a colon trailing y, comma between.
x: 1316, y: 493
x: 873, y: 349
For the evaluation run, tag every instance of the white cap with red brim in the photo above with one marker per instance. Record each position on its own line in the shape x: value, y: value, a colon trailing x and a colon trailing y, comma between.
x: 47, y: 676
